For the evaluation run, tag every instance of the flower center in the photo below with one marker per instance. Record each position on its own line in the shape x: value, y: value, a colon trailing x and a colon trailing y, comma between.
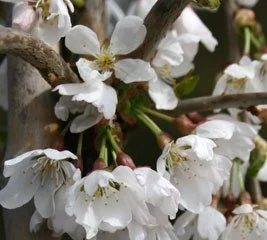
x: 175, y: 157
x: 237, y: 83
x: 165, y: 74
x: 44, y: 167
x: 105, y: 60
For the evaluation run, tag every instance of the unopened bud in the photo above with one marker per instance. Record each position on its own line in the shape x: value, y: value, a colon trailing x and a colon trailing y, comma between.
x: 125, y: 160
x: 59, y: 144
x: 184, y: 125
x: 245, y: 18
x: 164, y: 139
x: 209, y: 4
x: 196, y: 118
x: 245, y: 197
x: 78, y: 163
x: 230, y: 201
x: 99, y: 164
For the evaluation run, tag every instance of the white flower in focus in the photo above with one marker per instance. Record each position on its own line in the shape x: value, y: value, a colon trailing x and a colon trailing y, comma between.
x: 49, y: 20
x: 248, y: 224
x: 247, y: 3
x: 194, y: 170
x: 108, y: 201
x: 3, y: 85
x: 189, y: 24
x: 234, y: 139
x: 159, y: 191
x: 207, y: 225
x: 88, y: 115
x: 60, y: 222
x: 37, y: 174
x: 128, y: 35
x: 239, y: 78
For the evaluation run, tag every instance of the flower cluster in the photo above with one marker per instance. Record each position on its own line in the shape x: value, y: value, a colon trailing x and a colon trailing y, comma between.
x: 112, y: 197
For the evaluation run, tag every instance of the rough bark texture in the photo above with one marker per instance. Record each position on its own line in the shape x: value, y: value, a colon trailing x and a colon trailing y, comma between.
x: 50, y: 64
x: 31, y: 125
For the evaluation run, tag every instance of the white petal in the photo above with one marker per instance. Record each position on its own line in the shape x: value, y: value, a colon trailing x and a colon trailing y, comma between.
x: 182, y: 69
x: 17, y: 163
x: 113, y: 9
x: 211, y: 223
x: 71, y: 88
x: 58, y: 155
x: 247, y: 3
x: 24, y: 16
x: 61, y: 108
x: 162, y: 94
x: 107, y: 103
x: 36, y: 222
x: 44, y: 198
x: 186, y: 219
x: 88, y: 72
x: 19, y: 190
x: 262, y: 175
x: 202, y: 147
x: 128, y: 35
x: 89, y: 118
x: 243, y: 209
x: 134, y: 70
x: 82, y: 40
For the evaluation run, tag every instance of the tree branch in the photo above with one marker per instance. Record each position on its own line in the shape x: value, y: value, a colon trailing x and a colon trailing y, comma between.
x: 158, y: 21
x: 51, y: 65
x: 230, y: 8
x: 202, y: 104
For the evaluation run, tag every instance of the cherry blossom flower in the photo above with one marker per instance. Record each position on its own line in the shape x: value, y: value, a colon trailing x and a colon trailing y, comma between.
x: 108, y: 201
x: 60, y: 222
x: 208, y: 225
x: 129, y: 33
x: 249, y: 223
x: 88, y: 115
x: 194, y: 169
x: 238, y: 78
x: 49, y: 20
x: 37, y: 174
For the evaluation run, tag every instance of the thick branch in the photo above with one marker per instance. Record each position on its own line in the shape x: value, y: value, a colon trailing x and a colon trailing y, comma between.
x: 230, y: 8
x: 158, y: 21
x: 50, y: 64
x: 202, y: 104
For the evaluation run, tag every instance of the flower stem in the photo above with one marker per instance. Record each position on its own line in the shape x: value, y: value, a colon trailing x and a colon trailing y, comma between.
x: 240, y: 177
x: 103, y: 154
x: 65, y: 129
x: 157, y: 114
x: 148, y: 122
x: 247, y: 36
x: 80, y: 145
x: 255, y: 41
x: 230, y: 189
x: 112, y: 141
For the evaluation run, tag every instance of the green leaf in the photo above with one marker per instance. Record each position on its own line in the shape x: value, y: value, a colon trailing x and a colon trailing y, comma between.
x: 186, y: 86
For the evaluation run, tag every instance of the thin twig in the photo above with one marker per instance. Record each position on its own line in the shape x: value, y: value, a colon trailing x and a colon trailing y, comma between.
x: 158, y: 21
x: 201, y: 104
x: 51, y: 65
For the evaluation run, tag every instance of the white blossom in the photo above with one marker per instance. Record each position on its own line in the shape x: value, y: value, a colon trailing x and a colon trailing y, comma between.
x: 88, y: 115
x: 194, y: 169
x: 37, y: 174
x: 249, y: 223
x: 108, y: 201
x: 49, y: 20
x: 207, y: 225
